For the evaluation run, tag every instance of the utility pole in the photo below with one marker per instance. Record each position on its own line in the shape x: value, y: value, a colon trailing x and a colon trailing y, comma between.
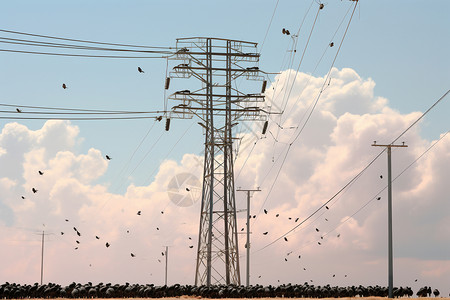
x: 216, y: 64
x: 390, y: 238
x: 167, y: 259
x: 42, y: 257
x: 247, y: 282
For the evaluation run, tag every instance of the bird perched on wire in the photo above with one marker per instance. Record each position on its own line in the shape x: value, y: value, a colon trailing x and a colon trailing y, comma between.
x: 140, y: 70
x: 64, y: 86
x: 285, y: 31
x: 159, y: 118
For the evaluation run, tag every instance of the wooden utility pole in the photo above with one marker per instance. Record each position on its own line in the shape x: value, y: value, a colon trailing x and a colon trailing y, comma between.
x: 390, y: 243
x: 248, y: 230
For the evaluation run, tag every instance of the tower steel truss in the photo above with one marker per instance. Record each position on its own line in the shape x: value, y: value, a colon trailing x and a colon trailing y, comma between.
x: 217, y: 63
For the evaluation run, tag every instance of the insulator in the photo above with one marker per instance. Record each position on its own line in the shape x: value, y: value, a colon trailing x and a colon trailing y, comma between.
x: 263, y: 89
x: 266, y: 123
x: 167, y: 124
x: 166, y: 86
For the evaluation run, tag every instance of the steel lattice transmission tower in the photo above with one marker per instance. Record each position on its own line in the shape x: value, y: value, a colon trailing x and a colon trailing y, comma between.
x: 219, y: 105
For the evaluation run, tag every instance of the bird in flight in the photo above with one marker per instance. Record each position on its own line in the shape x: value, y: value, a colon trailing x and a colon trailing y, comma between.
x: 77, y: 242
x: 18, y: 110
x: 265, y: 233
x: 97, y: 237
x: 23, y: 197
x: 191, y: 247
x: 132, y: 255
x: 62, y: 233
x: 108, y: 157
x: 379, y: 198
x: 139, y: 213
x: 381, y: 176
x: 78, y: 233
x: 41, y: 173
x: 265, y: 211
x: 327, y: 207
x: 285, y: 238
x: 159, y: 118
x: 277, y: 215
x: 140, y: 70
x: 187, y: 189
x: 317, y: 229
x: 34, y: 190
x: 64, y: 86
x: 107, y: 245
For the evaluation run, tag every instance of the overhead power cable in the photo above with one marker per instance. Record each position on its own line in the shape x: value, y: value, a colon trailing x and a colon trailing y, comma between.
x: 81, y: 41
x: 79, y: 55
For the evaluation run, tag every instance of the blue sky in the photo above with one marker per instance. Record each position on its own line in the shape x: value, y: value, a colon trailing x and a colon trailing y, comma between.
x: 399, y: 46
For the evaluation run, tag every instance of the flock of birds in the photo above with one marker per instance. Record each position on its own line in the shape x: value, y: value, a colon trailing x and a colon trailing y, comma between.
x: 108, y: 290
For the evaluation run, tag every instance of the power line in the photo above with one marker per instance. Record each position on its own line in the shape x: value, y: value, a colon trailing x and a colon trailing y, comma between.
x: 82, y: 41
x: 78, y: 55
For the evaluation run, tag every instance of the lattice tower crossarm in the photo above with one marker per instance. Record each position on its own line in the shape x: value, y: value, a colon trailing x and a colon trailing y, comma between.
x: 217, y: 63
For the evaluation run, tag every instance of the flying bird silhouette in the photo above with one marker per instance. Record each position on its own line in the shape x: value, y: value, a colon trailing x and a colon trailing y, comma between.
x: 317, y: 229
x: 319, y: 243
x: 108, y: 157
x: 107, y: 245
x: 62, y: 233
x: 77, y: 242
x: 140, y: 70
x: 381, y: 176
x: 34, y: 190
x: 18, y: 110
x: 78, y: 233
x: 265, y: 233
x: 265, y: 211
x: 326, y: 207
x: 67, y: 220
x: 285, y: 238
x: 191, y: 247
x: 132, y: 255
x: 97, y: 237
x: 23, y: 197
x: 76, y: 248
x: 75, y: 229
x: 187, y: 189
x: 159, y: 118
x: 277, y: 215
x: 41, y: 173
x: 379, y: 198
x: 139, y: 213
x: 64, y: 86
x: 331, y: 44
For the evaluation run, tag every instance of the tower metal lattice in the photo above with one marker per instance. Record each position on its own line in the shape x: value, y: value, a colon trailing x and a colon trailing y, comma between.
x: 219, y: 105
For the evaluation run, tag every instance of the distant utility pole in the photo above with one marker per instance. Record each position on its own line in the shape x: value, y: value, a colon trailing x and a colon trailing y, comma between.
x: 42, y: 257
x: 247, y: 283
x: 167, y: 259
x: 390, y: 252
